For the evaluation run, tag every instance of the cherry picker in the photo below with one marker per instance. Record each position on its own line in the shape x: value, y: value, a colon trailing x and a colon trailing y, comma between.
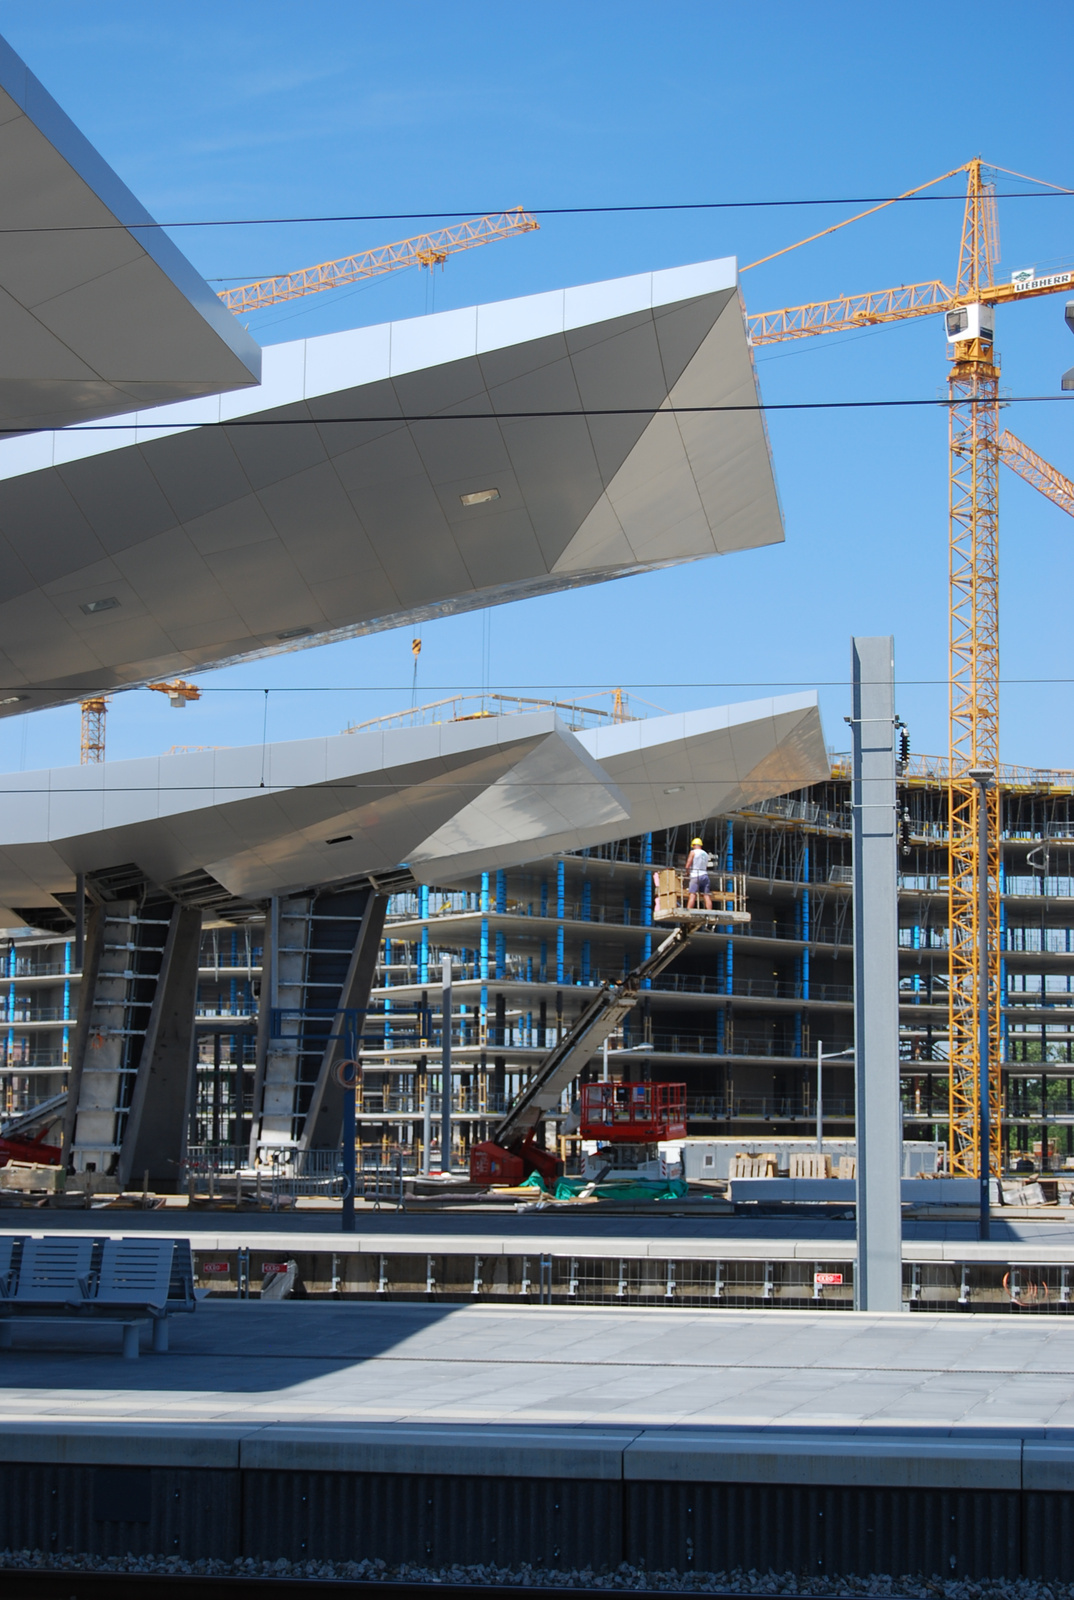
x: 636, y: 1121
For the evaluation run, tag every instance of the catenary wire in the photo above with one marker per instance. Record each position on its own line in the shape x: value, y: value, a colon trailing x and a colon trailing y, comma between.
x: 506, y: 689
x: 1056, y: 192
x: 523, y: 416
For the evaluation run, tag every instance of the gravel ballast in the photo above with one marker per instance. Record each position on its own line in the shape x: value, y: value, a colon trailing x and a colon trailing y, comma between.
x: 624, y: 1577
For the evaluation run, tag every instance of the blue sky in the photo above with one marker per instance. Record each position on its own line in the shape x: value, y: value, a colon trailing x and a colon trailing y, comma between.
x: 459, y: 105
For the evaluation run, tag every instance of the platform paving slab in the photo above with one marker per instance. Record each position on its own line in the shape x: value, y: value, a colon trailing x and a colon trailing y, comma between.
x: 239, y: 1365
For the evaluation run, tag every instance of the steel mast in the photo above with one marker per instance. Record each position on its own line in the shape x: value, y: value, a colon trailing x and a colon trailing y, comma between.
x: 973, y: 384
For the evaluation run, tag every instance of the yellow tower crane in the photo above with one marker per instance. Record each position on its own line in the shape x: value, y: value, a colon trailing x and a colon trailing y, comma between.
x: 425, y: 250
x: 976, y: 448
x: 95, y: 713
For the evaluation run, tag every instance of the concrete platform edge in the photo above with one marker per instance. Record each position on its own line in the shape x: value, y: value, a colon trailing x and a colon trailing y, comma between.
x: 910, y: 1458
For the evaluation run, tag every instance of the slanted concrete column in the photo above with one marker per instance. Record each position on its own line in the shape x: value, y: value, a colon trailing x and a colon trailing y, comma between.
x: 324, y: 1120
x: 320, y: 957
x: 155, y: 1135
x: 93, y: 945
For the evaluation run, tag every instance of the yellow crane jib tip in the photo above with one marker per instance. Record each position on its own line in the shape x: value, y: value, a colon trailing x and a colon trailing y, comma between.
x: 423, y: 250
x: 180, y: 693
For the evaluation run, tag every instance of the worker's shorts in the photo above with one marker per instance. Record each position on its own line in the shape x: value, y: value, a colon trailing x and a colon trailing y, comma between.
x: 699, y: 883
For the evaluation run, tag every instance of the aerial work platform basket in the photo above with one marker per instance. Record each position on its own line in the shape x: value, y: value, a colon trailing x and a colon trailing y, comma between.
x: 727, y: 891
x: 633, y: 1113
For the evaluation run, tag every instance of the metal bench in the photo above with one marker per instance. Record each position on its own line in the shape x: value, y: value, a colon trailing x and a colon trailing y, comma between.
x: 121, y: 1280
x: 53, y: 1272
x: 132, y: 1286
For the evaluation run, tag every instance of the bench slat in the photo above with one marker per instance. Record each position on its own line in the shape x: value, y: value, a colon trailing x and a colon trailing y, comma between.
x: 50, y: 1270
x: 135, y: 1272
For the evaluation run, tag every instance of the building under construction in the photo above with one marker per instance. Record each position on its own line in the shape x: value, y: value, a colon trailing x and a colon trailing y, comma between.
x: 739, y: 1018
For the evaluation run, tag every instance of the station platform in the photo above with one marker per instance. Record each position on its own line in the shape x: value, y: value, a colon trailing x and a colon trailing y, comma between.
x: 1043, y: 1236
x: 573, y: 1439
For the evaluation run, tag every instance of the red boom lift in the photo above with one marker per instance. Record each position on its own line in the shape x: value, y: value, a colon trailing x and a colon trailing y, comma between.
x: 512, y: 1153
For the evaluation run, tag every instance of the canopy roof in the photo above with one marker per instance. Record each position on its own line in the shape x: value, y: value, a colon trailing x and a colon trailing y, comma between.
x: 339, y: 497
x: 444, y: 800
x: 100, y: 313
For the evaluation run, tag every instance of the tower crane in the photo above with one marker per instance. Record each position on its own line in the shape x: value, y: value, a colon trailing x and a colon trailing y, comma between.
x: 976, y: 449
x: 425, y: 250
x: 95, y: 712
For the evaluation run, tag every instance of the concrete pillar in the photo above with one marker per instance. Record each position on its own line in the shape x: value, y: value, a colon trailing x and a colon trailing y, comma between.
x: 878, y: 1281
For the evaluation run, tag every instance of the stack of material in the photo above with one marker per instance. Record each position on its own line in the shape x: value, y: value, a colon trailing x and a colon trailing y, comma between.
x: 30, y: 1177
x: 811, y: 1165
x: 762, y: 1166
x: 848, y: 1167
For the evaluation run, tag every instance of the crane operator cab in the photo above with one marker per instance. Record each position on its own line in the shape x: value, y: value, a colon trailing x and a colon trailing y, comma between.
x: 970, y: 322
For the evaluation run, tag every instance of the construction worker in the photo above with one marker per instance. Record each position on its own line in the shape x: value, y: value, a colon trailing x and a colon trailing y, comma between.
x: 697, y: 870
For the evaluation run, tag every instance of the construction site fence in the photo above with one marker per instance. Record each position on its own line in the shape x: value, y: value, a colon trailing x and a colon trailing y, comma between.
x: 223, y: 1173
x: 825, y: 1284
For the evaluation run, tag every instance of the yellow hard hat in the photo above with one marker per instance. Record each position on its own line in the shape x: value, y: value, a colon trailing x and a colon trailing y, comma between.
x: 695, y: 842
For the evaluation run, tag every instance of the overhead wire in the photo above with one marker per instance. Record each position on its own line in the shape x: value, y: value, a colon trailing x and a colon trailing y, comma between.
x: 478, y: 688
x: 1050, y: 192
x: 170, y: 426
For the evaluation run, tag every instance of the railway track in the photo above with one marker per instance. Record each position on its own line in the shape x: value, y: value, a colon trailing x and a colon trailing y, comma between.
x: 57, y: 1585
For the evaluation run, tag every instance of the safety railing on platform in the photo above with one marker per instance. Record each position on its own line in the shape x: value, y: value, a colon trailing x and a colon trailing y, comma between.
x: 763, y: 1108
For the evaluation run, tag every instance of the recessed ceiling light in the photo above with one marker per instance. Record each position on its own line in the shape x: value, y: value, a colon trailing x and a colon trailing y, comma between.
x: 479, y: 497
x: 676, y: 788
x: 109, y: 603
x: 295, y: 633
x: 344, y: 838
x: 12, y: 699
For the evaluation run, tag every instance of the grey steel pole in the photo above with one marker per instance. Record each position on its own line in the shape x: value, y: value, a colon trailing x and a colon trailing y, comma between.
x: 820, y: 1099
x: 427, y: 1129
x: 445, y: 1068
x: 878, y: 1280
x: 350, y: 1136
x: 982, y: 777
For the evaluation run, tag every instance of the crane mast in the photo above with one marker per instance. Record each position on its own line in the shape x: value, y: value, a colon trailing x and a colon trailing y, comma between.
x: 976, y: 449
x: 973, y: 384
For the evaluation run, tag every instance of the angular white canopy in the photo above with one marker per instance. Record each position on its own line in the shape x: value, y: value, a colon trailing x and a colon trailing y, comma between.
x: 100, y: 313
x: 445, y: 799
x: 323, y: 506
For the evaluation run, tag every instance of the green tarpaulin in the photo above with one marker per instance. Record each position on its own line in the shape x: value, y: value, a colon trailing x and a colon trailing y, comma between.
x: 623, y: 1189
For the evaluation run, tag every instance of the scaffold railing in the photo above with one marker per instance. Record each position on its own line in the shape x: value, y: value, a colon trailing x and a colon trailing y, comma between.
x: 935, y: 770
x: 577, y: 714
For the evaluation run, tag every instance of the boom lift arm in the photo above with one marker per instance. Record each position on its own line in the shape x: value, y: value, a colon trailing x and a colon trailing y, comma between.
x: 513, y: 1137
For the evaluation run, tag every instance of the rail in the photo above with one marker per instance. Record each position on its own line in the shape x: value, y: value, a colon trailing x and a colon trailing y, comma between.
x: 470, y: 707
x: 935, y: 769
x: 763, y: 1108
